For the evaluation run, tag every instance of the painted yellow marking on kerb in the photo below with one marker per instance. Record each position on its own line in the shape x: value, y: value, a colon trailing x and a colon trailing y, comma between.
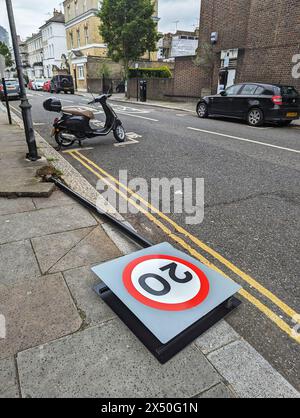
x: 270, y: 314
x: 252, y: 282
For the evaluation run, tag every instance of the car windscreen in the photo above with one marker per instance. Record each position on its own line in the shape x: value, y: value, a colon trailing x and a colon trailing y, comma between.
x: 289, y: 91
x: 12, y: 83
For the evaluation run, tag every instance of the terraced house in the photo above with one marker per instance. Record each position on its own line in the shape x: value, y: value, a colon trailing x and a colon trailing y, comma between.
x: 83, y: 38
x: 84, y: 43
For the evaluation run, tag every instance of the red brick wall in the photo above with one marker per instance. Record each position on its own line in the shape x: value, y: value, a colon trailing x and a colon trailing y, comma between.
x: 266, y: 32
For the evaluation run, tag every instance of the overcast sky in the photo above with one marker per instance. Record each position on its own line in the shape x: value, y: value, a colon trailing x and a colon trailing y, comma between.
x: 31, y: 14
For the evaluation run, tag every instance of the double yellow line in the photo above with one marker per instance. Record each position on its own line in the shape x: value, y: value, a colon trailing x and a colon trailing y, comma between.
x: 133, y: 197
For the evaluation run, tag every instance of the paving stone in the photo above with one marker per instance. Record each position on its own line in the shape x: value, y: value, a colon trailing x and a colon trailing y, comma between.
x: 249, y: 374
x: 80, y: 283
x: 219, y: 335
x: 109, y: 361
x: 33, y: 224
x: 36, y: 312
x: 51, y: 248
x: 96, y: 247
x: 125, y: 245
x: 8, y: 379
x: 17, y: 262
x: 218, y: 392
x: 8, y: 206
x: 57, y: 198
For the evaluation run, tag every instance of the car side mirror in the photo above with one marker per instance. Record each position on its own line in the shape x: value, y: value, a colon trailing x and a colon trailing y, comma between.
x: 223, y: 93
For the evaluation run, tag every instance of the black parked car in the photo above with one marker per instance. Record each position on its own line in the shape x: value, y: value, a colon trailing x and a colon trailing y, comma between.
x: 63, y: 83
x: 254, y: 102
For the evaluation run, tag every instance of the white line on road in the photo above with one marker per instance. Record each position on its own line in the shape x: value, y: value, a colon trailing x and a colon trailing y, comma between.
x: 140, y: 117
x: 245, y: 140
x: 68, y: 101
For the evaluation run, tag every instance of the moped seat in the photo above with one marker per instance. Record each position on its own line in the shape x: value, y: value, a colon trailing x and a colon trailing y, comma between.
x: 78, y: 112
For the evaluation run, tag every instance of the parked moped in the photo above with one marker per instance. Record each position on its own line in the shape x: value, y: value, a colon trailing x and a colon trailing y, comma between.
x: 74, y: 124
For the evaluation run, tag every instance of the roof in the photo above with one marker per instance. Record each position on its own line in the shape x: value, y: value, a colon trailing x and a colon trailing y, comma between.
x: 57, y: 18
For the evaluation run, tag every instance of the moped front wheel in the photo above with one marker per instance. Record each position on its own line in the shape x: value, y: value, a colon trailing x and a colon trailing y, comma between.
x: 64, y: 139
x: 120, y: 133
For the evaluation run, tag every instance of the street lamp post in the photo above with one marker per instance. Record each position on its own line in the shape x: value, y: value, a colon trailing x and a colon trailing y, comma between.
x: 25, y: 105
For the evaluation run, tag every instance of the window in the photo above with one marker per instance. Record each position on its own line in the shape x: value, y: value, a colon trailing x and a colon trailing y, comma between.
x: 78, y: 38
x: 233, y: 90
x: 71, y: 41
x: 248, y: 90
x: 80, y: 69
x: 260, y: 90
x: 86, y: 34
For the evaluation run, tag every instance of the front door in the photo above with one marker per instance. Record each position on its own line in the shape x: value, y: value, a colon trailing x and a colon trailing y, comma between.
x: 224, y: 105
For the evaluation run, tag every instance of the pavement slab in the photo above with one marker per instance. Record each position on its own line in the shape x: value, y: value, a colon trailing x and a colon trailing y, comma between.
x: 33, y: 224
x: 220, y: 391
x: 80, y: 282
x: 57, y: 198
x: 8, y: 379
x: 249, y: 373
x: 94, y: 248
x: 108, y: 361
x: 36, y: 312
x: 218, y: 336
x: 52, y: 248
x: 17, y: 263
x: 18, y: 205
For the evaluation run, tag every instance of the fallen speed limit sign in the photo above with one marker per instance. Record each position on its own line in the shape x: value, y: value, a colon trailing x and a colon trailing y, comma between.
x: 166, y: 297
x: 165, y: 282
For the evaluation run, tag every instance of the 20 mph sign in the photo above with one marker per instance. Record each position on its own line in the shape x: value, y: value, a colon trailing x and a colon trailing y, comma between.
x: 167, y: 290
x: 165, y: 282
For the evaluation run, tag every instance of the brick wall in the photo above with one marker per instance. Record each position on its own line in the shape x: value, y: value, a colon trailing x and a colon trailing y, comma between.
x: 157, y: 88
x: 267, y: 34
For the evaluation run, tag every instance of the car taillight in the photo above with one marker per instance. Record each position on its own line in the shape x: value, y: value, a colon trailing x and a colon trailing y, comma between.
x: 277, y: 100
x: 1, y: 87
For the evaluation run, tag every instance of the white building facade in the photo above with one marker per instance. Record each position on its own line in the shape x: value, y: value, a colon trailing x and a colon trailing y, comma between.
x: 54, y: 43
x: 35, y: 56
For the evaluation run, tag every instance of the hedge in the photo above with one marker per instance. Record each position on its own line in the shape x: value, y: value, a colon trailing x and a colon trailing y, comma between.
x: 161, y: 72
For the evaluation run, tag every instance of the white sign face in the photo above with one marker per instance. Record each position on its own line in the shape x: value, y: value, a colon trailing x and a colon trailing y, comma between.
x: 167, y: 290
x: 166, y: 282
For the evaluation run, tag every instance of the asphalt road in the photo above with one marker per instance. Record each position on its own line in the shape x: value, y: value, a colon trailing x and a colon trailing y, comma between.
x: 252, y: 207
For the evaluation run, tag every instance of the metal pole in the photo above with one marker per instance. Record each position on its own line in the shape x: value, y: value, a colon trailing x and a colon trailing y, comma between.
x: 25, y: 105
x: 6, y: 101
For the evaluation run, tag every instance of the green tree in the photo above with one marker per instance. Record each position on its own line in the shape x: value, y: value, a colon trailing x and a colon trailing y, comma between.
x: 6, y: 53
x: 128, y: 29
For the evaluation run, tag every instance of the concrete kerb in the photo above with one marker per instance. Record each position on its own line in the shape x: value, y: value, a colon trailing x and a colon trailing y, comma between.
x: 238, y: 381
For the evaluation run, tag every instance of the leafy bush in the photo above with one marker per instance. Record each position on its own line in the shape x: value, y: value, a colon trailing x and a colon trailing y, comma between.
x: 161, y: 72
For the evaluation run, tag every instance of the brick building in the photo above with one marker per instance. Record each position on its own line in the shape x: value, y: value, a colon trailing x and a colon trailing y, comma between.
x: 254, y: 41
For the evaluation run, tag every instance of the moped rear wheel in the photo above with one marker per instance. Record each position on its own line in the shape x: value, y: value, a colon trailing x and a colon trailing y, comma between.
x: 65, y: 139
x: 119, y: 133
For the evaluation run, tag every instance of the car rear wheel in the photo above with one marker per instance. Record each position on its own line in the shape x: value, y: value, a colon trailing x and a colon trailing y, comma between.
x: 255, y: 117
x: 202, y: 110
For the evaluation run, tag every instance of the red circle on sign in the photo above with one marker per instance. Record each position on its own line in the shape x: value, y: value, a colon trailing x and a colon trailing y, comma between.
x: 189, y: 304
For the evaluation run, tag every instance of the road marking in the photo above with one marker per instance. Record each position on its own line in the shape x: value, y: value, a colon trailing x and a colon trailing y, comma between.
x: 252, y: 282
x: 78, y: 149
x: 38, y: 124
x: 139, y: 117
x: 130, y: 142
x: 245, y: 140
x: 68, y: 101
x: 264, y: 309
